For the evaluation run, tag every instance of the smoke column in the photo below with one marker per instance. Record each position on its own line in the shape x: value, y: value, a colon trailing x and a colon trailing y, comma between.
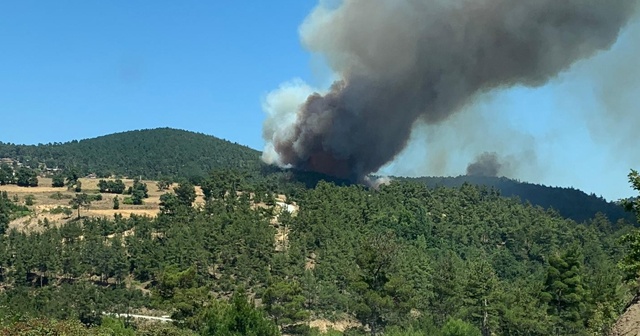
x: 399, y: 62
x: 486, y: 164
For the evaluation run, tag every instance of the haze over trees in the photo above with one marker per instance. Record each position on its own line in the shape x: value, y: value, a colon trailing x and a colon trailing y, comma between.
x: 569, y: 202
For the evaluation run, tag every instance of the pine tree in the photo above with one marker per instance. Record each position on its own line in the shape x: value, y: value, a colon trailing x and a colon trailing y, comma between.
x: 481, y: 297
x: 186, y: 193
x: 459, y: 328
x: 382, y: 295
x: 630, y: 264
x: 564, y: 291
x: 81, y: 200
x: 285, y: 303
x: 237, y: 318
x: 448, y: 286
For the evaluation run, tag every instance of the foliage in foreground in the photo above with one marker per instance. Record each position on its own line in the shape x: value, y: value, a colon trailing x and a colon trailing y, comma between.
x: 402, y: 260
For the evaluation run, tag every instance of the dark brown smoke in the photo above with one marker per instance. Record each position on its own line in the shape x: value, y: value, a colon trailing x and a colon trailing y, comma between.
x: 403, y: 61
x: 486, y: 164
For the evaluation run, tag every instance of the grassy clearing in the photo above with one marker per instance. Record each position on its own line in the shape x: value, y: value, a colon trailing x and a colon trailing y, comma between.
x: 46, y: 198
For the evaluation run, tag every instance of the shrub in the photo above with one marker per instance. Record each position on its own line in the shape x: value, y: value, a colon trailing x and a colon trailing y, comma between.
x: 95, y: 197
x: 58, y: 196
x: 29, y: 200
x: 59, y: 210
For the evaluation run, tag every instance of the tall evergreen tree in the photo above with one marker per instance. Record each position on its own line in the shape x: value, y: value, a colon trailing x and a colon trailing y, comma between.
x: 630, y: 264
x: 186, y: 193
x: 564, y: 291
x: 382, y: 295
x: 80, y: 201
x: 284, y: 302
x: 480, y: 295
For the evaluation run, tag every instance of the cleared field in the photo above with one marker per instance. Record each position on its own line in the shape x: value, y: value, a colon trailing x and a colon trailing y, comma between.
x: 14, y: 189
x: 46, y: 198
x: 126, y: 213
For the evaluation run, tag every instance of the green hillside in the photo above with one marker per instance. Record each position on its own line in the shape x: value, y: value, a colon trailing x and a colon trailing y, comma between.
x: 434, y: 256
x: 403, y: 260
x: 173, y: 153
x: 149, y: 153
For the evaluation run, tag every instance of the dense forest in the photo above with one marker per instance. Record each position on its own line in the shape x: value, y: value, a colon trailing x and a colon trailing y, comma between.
x: 402, y: 260
x: 569, y: 202
x: 148, y: 153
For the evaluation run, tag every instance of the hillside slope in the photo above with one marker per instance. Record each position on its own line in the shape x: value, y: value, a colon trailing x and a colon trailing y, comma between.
x: 170, y: 152
x: 403, y: 256
x: 569, y: 202
x: 151, y: 153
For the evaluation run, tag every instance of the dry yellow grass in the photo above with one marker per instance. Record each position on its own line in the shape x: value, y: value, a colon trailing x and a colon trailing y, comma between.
x: 123, y: 212
x: 31, y: 223
x: 45, y: 182
x: 44, y: 203
x: 14, y: 189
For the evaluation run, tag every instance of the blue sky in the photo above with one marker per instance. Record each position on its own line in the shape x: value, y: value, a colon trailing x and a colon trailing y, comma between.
x: 80, y: 69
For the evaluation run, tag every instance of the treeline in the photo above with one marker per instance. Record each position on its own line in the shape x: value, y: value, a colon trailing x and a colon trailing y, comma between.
x: 138, y: 191
x: 402, y: 260
x: 569, y: 202
x: 115, y: 187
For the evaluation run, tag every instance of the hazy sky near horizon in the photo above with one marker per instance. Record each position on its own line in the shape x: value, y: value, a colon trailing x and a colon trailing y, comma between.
x: 80, y: 69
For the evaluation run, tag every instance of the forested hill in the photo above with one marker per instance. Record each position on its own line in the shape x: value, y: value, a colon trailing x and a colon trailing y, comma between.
x: 150, y: 153
x: 569, y: 202
x: 166, y: 152
x: 403, y: 260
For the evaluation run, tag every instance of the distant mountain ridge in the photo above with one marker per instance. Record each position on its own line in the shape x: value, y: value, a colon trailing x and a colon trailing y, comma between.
x: 150, y: 153
x: 569, y: 202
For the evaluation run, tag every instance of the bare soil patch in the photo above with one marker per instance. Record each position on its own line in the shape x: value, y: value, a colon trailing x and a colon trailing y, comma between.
x: 629, y: 323
x: 326, y: 325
